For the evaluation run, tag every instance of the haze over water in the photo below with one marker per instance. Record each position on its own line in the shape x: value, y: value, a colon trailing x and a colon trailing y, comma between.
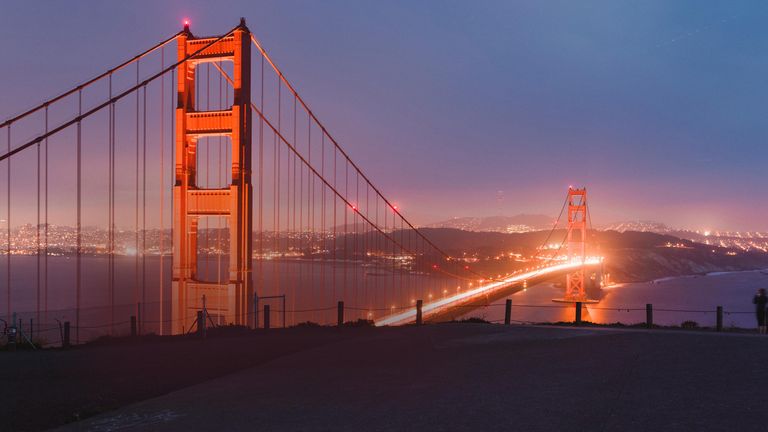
x: 732, y: 291
x: 302, y: 284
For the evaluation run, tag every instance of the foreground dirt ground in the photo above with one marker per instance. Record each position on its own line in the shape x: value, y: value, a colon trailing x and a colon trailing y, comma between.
x: 450, y: 377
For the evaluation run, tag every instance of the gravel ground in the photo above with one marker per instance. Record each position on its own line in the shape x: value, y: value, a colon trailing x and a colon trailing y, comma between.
x: 450, y: 377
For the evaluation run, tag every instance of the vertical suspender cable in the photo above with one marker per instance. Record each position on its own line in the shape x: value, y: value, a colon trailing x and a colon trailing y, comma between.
x: 310, y: 209
x: 296, y: 286
x: 367, y: 247
x: 335, y: 243
x: 144, y: 213
x: 109, y: 206
x: 261, y: 188
x: 402, y: 253
x: 8, y: 233
x: 37, y: 240
x: 79, y: 214
x: 378, y: 251
x: 322, y: 215
x: 162, y: 192
x: 357, y: 239
x: 136, y: 207
x: 289, y: 289
x: 172, y: 144
x: 112, y: 222
x: 45, y: 232
x: 346, y: 230
x: 301, y: 226
x: 276, y: 198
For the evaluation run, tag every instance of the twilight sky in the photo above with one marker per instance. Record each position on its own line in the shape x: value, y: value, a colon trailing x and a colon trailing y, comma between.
x: 657, y: 107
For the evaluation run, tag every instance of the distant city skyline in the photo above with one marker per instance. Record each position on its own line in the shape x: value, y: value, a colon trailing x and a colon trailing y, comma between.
x: 656, y: 108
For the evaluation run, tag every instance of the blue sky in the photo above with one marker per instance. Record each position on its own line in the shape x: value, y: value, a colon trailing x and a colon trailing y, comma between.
x: 657, y: 107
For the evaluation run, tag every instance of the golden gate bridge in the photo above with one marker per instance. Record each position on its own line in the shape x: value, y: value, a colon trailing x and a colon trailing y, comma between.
x: 211, y: 142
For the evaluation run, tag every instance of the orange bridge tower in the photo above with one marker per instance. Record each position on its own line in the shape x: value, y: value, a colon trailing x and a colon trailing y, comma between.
x: 229, y: 302
x: 577, y: 243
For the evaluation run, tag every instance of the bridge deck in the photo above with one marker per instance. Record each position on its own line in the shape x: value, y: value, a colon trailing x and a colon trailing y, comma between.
x: 456, y: 305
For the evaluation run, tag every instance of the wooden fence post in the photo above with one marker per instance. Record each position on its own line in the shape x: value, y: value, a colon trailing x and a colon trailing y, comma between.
x: 578, y: 313
x: 719, y: 318
x: 65, y: 342
x: 419, y: 304
x: 133, y: 326
x: 649, y: 315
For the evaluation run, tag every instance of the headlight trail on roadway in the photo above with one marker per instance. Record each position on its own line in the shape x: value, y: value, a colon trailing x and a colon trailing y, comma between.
x: 430, y: 308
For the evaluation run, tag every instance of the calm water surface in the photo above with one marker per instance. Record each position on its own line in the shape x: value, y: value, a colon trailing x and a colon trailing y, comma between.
x: 368, y: 292
x: 670, y: 296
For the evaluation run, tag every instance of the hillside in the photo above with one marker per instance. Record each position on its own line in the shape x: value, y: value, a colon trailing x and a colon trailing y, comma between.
x: 503, y: 224
x: 630, y: 256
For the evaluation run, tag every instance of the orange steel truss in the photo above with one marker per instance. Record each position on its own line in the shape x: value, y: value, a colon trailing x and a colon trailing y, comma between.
x: 231, y: 301
x: 577, y: 242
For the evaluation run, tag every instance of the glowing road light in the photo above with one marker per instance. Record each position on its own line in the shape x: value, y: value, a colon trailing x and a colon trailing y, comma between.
x: 432, y: 307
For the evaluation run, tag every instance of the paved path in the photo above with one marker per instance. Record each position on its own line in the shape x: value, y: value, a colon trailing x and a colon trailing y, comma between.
x: 479, y: 377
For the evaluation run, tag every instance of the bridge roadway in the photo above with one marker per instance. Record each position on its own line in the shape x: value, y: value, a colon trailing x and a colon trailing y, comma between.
x: 453, y: 306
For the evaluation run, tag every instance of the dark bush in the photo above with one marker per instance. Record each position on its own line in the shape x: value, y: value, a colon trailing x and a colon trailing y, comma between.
x: 689, y: 324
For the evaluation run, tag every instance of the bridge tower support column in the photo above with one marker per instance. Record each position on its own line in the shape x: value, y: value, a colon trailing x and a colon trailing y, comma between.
x: 577, y: 243
x: 229, y: 301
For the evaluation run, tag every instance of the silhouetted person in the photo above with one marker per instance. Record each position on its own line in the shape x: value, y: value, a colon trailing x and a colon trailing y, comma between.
x: 760, y: 302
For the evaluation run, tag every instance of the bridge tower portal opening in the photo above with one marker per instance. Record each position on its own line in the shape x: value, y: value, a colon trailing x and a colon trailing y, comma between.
x: 577, y: 242
x: 231, y: 300
x: 575, y: 282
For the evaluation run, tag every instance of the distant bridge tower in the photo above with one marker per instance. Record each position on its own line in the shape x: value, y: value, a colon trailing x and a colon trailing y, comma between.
x: 230, y: 301
x: 577, y: 243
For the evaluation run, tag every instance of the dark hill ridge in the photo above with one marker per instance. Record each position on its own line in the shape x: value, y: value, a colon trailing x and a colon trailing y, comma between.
x: 504, y: 224
x: 630, y: 256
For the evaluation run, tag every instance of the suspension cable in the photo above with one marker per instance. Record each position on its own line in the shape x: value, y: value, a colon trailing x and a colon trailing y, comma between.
x: 325, y: 181
x: 310, y: 117
x: 112, y: 100
x: 89, y: 82
x: 336, y: 144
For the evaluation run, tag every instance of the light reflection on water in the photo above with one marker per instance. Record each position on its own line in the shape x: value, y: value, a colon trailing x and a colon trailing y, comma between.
x: 309, y: 285
x: 699, y: 294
